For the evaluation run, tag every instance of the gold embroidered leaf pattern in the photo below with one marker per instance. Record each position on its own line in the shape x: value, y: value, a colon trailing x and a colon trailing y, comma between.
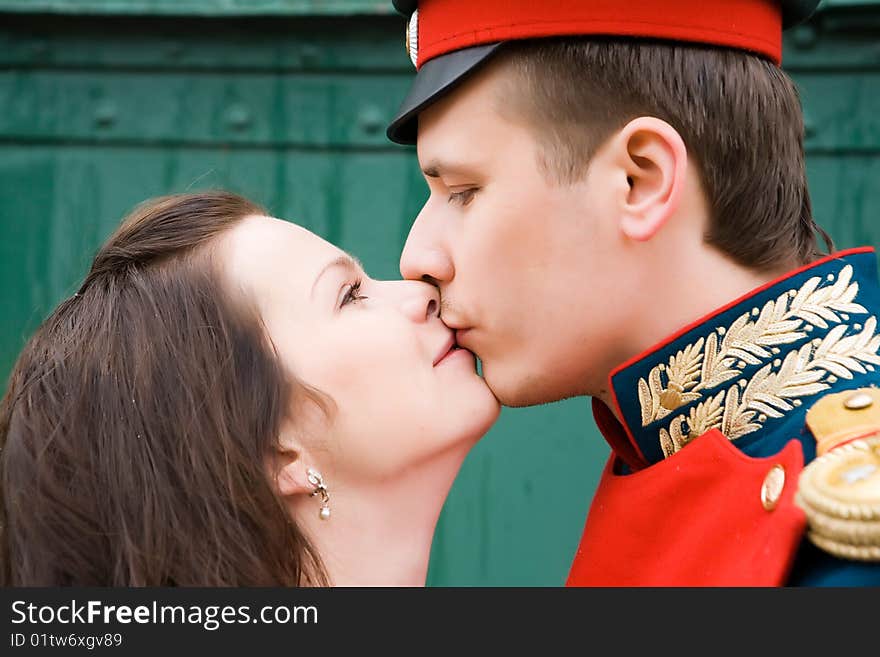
x: 669, y: 448
x: 736, y: 420
x: 842, y: 294
x: 703, y: 366
x: 673, y: 440
x: 682, y: 373
x: 803, y: 372
x: 771, y: 393
x: 765, y: 391
x: 716, y: 368
x: 842, y: 356
x: 683, y: 370
x: 796, y: 376
x: 702, y: 417
x: 817, y: 305
x: 706, y: 415
x: 747, y: 340
x: 651, y: 390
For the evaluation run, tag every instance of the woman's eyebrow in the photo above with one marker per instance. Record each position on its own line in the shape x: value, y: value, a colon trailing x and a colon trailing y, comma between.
x: 345, y: 261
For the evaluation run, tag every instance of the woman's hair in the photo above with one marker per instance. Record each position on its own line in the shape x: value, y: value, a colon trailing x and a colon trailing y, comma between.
x: 138, y: 420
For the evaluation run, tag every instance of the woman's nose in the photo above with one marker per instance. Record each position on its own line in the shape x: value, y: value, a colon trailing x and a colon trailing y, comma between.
x: 422, y: 301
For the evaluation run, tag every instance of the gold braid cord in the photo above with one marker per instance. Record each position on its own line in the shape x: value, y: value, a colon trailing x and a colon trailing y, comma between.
x: 840, y: 495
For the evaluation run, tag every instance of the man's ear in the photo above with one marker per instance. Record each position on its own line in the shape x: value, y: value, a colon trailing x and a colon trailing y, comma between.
x: 653, y: 157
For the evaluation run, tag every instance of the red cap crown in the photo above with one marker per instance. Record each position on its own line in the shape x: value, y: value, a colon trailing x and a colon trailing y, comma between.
x: 443, y: 26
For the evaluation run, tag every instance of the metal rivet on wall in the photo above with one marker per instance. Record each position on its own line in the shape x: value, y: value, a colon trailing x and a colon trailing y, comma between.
x: 174, y: 50
x: 810, y: 127
x: 371, y: 120
x: 38, y: 49
x: 238, y: 117
x: 805, y: 36
x: 310, y: 55
x: 105, y: 113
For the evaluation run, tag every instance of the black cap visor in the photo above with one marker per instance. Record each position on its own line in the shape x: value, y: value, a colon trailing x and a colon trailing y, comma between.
x: 435, y: 78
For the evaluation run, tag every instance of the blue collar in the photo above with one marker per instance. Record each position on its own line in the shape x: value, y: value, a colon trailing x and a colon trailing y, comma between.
x: 754, y: 367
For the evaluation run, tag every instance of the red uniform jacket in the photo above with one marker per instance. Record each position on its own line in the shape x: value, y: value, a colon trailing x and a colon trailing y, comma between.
x: 679, y: 502
x: 694, y: 519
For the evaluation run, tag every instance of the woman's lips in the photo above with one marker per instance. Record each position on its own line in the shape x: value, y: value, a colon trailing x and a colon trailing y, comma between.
x: 454, y: 346
x: 452, y: 354
x: 445, y: 350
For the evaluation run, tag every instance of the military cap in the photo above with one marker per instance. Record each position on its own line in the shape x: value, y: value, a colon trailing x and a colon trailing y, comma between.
x: 448, y: 39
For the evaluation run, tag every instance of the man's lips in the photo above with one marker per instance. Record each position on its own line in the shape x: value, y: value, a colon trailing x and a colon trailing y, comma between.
x: 460, y: 336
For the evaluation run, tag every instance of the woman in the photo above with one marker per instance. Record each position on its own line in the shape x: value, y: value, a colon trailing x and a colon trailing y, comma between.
x: 230, y: 401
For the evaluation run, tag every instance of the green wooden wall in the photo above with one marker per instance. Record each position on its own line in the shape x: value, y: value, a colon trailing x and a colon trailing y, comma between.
x: 106, y: 102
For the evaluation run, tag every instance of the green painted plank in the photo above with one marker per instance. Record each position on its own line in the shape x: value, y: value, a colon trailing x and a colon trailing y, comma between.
x: 176, y: 108
x: 836, y: 41
x: 834, y: 4
x: 842, y: 111
x: 846, y: 197
x: 245, y: 44
x: 201, y: 7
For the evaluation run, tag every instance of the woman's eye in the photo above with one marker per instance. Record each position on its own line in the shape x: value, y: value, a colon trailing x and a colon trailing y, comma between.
x: 352, y: 294
x: 462, y: 198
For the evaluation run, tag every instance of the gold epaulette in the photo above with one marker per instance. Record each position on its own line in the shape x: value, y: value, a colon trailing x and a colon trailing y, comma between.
x: 840, y: 490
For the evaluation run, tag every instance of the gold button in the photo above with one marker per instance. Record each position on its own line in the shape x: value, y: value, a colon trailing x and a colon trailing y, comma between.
x: 858, y: 401
x: 771, y: 490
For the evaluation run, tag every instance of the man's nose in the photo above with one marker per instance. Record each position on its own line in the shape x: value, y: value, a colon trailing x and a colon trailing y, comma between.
x: 424, y: 257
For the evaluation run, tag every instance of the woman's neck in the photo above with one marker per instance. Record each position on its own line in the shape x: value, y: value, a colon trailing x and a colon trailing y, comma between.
x: 380, y: 534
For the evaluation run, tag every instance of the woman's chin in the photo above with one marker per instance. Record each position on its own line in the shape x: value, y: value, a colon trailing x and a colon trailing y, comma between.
x: 463, y: 427
x: 480, y: 417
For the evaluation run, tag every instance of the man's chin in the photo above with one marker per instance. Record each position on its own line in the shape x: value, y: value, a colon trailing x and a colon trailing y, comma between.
x: 525, y: 389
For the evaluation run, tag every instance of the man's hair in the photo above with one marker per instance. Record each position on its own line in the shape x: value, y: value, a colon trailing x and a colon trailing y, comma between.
x: 738, y: 114
x: 139, y: 418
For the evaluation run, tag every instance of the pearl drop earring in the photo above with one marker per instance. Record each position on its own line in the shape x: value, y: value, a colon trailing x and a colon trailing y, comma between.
x: 316, y: 480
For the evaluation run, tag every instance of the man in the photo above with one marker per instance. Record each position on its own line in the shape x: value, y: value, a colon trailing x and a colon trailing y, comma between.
x: 618, y: 208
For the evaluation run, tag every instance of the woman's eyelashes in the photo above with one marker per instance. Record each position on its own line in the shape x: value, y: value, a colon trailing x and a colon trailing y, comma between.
x: 463, y: 197
x: 352, y: 294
